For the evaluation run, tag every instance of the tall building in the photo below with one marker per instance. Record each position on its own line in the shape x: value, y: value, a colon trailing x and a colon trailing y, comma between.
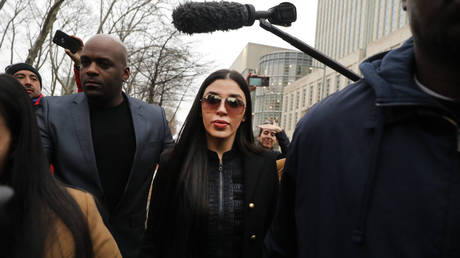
x: 348, y: 31
x: 283, y: 66
x: 346, y: 26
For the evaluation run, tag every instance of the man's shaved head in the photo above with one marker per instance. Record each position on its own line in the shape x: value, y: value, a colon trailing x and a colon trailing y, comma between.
x: 112, y: 42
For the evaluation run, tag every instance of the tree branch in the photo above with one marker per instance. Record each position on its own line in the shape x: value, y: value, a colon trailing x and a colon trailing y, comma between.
x: 49, y: 20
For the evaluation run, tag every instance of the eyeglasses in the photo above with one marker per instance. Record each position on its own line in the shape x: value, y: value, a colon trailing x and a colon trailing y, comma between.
x: 234, y: 105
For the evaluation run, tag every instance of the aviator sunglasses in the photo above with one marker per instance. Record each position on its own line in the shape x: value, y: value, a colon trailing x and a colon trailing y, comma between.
x: 211, y: 102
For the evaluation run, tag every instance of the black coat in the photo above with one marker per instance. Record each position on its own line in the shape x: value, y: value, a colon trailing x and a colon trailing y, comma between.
x: 261, y: 190
x: 372, y: 171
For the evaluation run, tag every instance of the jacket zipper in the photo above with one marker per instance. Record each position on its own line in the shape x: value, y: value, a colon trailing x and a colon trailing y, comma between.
x: 221, y: 208
x: 221, y: 190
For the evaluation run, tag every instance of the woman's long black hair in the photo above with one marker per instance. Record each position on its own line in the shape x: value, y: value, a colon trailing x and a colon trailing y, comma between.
x: 39, y: 200
x: 190, y: 151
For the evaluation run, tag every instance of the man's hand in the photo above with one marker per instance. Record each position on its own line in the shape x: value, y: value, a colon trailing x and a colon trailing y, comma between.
x: 76, y: 56
x: 274, y: 128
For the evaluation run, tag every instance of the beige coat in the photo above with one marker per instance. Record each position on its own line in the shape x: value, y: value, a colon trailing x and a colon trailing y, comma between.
x: 280, y: 167
x: 62, y: 244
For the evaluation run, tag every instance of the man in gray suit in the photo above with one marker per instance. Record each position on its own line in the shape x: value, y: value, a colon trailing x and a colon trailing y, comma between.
x: 106, y: 142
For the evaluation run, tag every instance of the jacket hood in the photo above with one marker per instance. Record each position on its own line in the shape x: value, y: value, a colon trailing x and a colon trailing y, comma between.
x: 391, y: 75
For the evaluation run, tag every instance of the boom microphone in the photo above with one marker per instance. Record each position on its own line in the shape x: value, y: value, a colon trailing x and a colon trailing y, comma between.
x: 193, y: 17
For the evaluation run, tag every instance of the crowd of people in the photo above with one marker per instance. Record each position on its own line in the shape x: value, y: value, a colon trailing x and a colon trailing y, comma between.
x: 372, y: 170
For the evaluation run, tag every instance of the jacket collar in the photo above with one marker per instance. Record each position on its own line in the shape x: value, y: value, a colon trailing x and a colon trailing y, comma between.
x: 391, y: 75
x: 36, y: 101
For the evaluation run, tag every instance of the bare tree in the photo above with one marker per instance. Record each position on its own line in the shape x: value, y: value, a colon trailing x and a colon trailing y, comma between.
x: 163, y: 68
x: 45, y: 29
x: 2, y: 3
x: 166, y: 73
x: 12, y: 15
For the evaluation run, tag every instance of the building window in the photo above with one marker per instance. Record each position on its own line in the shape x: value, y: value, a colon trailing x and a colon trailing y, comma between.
x: 304, y: 97
x: 394, y: 14
x: 328, y: 86
x: 297, y: 99
x: 380, y: 19
x: 361, y: 26
x: 291, y: 103
x: 318, y: 92
x: 290, y: 122
x: 286, y: 101
x: 296, y: 118
x: 355, y: 18
x: 310, y: 99
x: 337, y: 83
x: 402, y: 18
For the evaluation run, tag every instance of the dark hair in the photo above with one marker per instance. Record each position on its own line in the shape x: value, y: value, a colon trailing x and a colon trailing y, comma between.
x: 39, y: 200
x: 191, y: 149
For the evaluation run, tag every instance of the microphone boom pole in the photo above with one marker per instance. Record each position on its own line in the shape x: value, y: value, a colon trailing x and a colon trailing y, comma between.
x: 309, y: 50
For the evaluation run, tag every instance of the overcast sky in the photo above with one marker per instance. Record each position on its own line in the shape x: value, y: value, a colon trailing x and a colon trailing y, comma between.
x: 223, y: 47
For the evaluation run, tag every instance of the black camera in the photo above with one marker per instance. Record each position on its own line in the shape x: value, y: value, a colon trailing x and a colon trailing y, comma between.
x: 66, y: 41
x: 258, y: 80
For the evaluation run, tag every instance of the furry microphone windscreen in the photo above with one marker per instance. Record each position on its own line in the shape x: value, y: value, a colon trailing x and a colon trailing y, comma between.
x: 192, y: 17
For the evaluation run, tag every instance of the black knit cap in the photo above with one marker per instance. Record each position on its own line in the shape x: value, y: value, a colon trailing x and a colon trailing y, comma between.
x: 12, y: 69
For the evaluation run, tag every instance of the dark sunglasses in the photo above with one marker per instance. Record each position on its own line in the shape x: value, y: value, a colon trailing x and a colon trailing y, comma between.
x: 212, y: 102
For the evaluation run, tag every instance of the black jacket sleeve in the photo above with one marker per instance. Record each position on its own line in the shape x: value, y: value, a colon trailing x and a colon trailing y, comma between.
x: 280, y: 241
x: 283, y: 142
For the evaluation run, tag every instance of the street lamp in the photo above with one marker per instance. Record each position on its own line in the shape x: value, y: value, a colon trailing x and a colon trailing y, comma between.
x: 324, y: 78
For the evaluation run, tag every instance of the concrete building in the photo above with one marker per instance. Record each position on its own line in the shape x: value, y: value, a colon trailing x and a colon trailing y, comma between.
x: 248, y: 60
x: 282, y: 66
x: 348, y: 31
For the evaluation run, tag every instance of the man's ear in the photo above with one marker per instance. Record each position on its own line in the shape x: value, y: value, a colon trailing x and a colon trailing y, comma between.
x: 126, y: 74
x: 404, y: 4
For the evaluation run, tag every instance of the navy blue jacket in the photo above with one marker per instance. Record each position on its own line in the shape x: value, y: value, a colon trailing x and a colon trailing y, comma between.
x: 372, y: 171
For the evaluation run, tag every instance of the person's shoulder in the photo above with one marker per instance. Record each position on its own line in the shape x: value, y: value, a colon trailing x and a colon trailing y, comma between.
x: 263, y: 154
x: 62, y: 100
x: 77, y: 193
x: 80, y: 196
x: 345, y: 105
x: 149, y: 108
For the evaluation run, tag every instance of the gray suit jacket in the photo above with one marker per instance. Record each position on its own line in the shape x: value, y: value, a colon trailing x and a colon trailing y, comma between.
x: 66, y: 136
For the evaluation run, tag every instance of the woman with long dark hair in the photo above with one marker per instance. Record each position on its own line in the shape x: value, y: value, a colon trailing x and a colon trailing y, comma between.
x: 215, y: 191
x: 46, y: 218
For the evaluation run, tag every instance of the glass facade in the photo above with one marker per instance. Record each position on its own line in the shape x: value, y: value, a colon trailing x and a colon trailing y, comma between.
x: 283, y: 68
